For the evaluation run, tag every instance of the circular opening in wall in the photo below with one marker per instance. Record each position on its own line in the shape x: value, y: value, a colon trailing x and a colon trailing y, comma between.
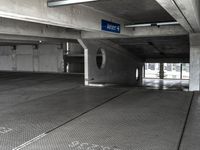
x: 101, y: 58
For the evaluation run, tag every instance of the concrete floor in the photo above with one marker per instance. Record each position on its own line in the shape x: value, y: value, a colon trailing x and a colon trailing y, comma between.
x: 191, y: 136
x: 56, y: 112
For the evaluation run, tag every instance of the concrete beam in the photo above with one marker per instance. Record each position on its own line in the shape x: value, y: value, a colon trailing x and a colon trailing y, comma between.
x: 186, y: 12
x: 78, y: 17
x: 170, y: 30
x: 22, y: 28
x: 16, y: 40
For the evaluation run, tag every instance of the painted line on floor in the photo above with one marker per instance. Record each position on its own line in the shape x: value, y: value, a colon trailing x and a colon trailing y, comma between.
x: 44, y: 134
x: 30, y: 142
x: 80, y: 115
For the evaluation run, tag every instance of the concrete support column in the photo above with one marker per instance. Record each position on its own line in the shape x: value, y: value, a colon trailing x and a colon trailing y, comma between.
x: 161, y: 71
x: 194, y: 62
x: 141, y: 75
x: 86, y: 62
x: 181, y: 71
x: 14, y: 59
x: 60, y: 60
x: 35, y: 59
x: 143, y: 71
x: 65, y: 53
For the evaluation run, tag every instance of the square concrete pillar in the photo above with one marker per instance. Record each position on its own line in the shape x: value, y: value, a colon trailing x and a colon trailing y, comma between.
x: 162, y: 73
x: 194, y: 62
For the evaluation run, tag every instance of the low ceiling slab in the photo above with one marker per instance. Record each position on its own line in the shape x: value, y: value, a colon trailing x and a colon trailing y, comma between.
x: 136, y: 11
x: 157, y: 47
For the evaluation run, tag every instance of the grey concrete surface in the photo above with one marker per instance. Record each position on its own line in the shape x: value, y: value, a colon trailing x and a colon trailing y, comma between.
x: 137, y: 11
x: 45, y: 58
x: 186, y: 12
x: 86, y: 19
x: 119, y: 67
x: 137, y: 120
x: 154, y: 48
x: 30, y: 29
x: 191, y: 136
x: 18, y: 88
x: 194, y: 62
x: 42, y: 102
x: 143, y: 119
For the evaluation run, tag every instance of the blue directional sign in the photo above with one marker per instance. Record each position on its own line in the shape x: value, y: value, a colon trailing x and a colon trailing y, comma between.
x: 110, y: 26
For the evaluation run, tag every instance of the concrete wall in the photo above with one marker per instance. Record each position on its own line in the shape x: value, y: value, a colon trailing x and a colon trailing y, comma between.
x: 45, y: 58
x: 6, y: 61
x: 50, y: 58
x: 120, y: 65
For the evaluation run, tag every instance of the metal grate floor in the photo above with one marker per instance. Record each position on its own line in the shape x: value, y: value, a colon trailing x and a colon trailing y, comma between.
x: 191, y: 136
x: 54, y: 112
x: 137, y: 120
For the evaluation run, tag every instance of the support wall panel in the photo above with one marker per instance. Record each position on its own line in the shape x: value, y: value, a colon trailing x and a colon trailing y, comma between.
x: 6, y: 58
x: 120, y: 66
x: 24, y: 56
x: 47, y: 58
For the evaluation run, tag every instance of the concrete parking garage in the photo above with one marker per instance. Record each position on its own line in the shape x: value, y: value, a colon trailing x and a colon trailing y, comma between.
x: 73, y: 76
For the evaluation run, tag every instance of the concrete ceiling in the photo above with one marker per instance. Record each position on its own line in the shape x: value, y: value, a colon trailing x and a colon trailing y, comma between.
x: 145, y: 11
x: 136, y: 11
x: 157, y: 47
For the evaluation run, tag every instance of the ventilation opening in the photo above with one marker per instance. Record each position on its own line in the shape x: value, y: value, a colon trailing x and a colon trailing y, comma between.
x: 101, y: 58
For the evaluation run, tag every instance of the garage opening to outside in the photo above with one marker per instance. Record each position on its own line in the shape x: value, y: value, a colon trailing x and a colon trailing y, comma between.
x: 178, y: 71
x: 166, y: 76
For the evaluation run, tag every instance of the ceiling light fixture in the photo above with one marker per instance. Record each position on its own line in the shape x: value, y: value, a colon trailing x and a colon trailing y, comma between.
x: 67, y: 2
x: 152, y: 24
